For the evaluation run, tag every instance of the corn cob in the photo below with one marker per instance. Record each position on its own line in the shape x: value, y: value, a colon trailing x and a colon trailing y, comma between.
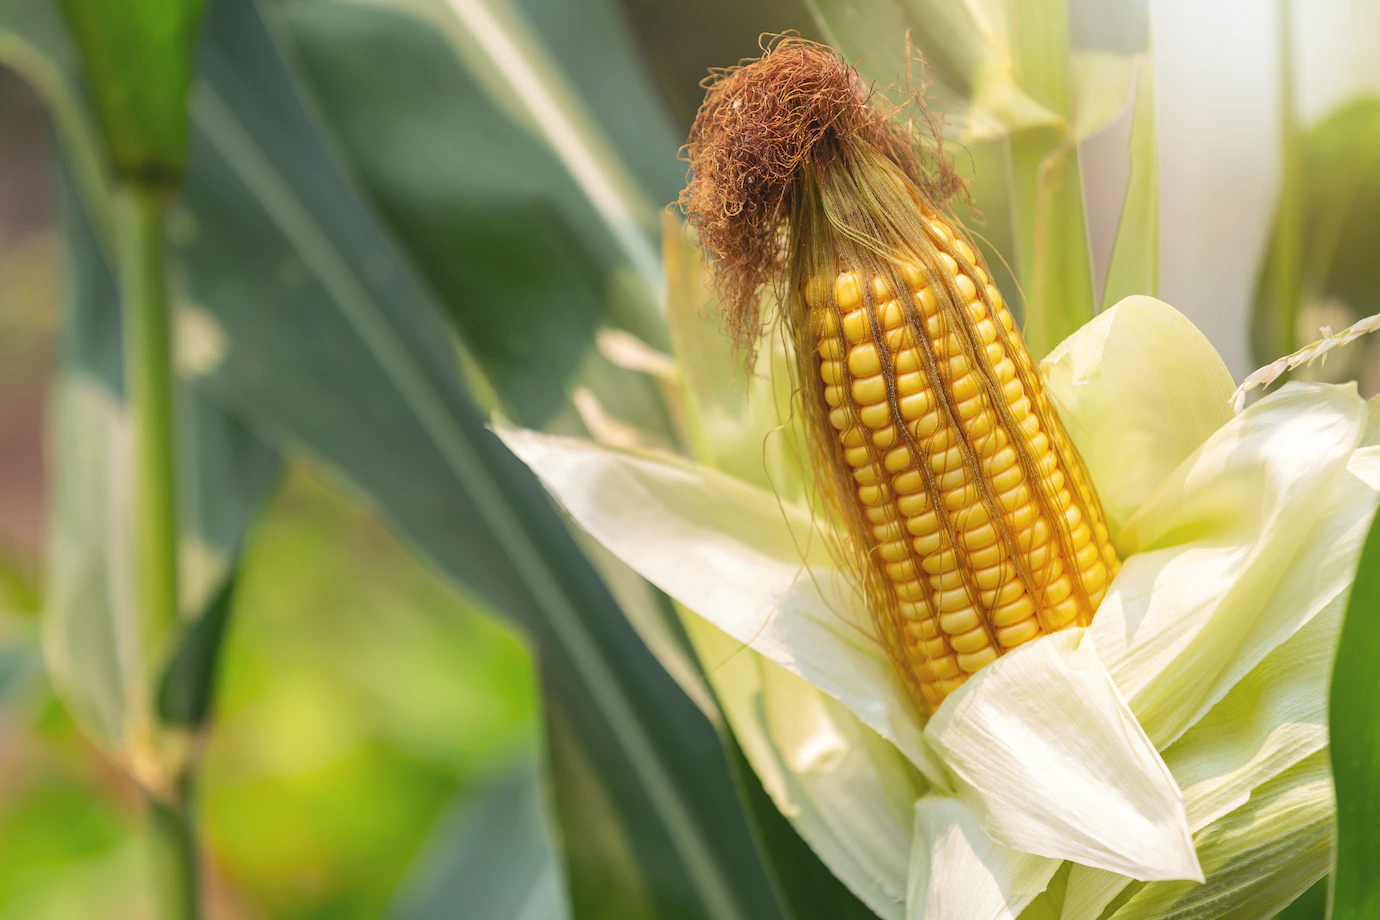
x: 972, y: 522
x: 980, y: 521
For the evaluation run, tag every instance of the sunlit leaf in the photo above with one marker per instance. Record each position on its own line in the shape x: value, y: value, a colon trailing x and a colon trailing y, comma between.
x: 959, y: 873
x: 1229, y: 546
x: 1084, y: 784
x: 1099, y: 379
x: 1258, y: 858
x: 1135, y: 264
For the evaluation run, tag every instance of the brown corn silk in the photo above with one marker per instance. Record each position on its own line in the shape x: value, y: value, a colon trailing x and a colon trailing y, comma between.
x: 971, y: 520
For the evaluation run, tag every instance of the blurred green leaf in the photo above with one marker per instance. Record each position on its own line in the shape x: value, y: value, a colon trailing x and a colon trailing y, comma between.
x: 500, y: 182
x: 187, y: 687
x: 960, y: 50
x: 679, y: 42
x: 1355, y: 744
x: 17, y: 593
x: 359, y: 697
x: 1135, y: 264
x: 1338, y: 228
x: 68, y: 852
x: 594, y: 46
x: 491, y: 858
x: 20, y: 662
x: 138, y: 61
x: 91, y: 627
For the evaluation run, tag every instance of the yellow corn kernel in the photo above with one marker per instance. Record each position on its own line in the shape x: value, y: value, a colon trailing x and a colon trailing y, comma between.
x: 921, y: 404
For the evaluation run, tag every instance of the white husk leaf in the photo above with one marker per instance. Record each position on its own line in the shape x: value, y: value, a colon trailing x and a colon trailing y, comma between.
x: 959, y: 873
x: 1045, y: 752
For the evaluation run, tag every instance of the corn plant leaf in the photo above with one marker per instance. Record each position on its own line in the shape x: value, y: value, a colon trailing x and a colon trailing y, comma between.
x: 91, y: 630
x: 846, y: 791
x: 960, y: 873
x: 1253, y: 872
x: 1135, y: 264
x: 679, y: 41
x: 503, y: 189
x: 138, y: 63
x: 1085, y: 785
x: 613, y: 79
x: 1099, y: 379
x: 328, y: 342
x: 491, y: 857
x: 809, y: 888
x: 1356, y: 743
x: 1253, y: 529
x: 1272, y: 720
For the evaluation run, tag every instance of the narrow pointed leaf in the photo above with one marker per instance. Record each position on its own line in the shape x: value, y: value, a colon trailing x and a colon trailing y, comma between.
x: 1356, y: 743
x: 1135, y: 264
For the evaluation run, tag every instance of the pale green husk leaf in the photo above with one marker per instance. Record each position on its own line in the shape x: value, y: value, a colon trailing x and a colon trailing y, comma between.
x: 1079, y: 781
x: 959, y: 873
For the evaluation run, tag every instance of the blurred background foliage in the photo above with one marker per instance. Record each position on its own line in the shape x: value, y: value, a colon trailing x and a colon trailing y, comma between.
x: 400, y: 215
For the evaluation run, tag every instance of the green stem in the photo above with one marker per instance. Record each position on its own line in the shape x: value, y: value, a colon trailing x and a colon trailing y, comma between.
x: 149, y: 395
x: 149, y: 384
x: 177, y: 873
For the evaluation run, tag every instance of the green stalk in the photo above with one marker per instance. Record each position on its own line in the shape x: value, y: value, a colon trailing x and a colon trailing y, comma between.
x: 177, y: 875
x: 149, y: 396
